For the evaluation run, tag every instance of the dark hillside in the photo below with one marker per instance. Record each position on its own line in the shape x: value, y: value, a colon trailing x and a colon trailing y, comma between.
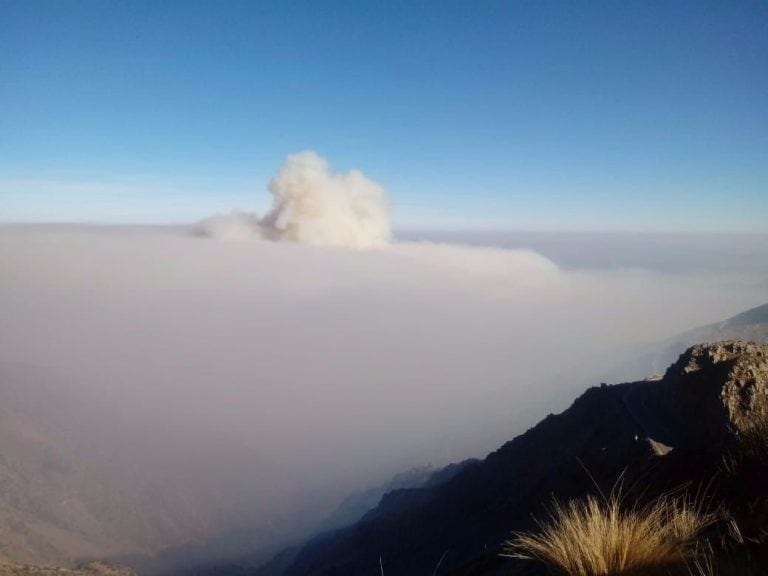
x: 657, y: 435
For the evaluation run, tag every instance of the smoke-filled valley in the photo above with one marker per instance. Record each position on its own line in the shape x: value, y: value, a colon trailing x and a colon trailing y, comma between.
x: 165, y: 389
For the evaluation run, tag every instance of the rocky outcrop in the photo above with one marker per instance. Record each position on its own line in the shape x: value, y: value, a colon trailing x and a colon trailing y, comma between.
x: 716, y: 391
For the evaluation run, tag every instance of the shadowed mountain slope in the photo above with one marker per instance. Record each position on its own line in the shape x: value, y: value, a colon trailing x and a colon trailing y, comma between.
x: 656, y: 435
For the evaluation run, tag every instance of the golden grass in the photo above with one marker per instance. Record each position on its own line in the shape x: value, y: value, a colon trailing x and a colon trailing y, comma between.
x: 595, y: 537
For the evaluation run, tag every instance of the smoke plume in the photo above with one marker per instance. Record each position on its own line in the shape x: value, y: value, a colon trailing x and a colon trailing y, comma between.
x: 313, y: 205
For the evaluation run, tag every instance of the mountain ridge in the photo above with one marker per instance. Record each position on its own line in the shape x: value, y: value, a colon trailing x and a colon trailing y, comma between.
x: 610, y: 432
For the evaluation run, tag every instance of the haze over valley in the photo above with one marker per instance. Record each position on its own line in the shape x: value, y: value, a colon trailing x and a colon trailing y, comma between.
x: 180, y: 388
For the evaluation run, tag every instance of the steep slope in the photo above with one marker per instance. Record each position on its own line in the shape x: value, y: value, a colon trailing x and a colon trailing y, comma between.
x: 657, y: 435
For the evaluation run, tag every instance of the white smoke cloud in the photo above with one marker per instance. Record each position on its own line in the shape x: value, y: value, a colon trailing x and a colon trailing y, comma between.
x: 313, y: 205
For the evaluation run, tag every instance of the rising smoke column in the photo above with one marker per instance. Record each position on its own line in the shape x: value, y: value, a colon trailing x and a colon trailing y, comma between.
x: 313, y: 205
x: 316, y: 206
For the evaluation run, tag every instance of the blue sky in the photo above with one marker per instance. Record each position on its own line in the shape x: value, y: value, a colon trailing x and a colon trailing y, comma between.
x: 520, y: 115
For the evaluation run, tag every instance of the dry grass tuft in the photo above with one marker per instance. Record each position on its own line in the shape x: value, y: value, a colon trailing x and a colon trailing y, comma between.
x: 603, y: 538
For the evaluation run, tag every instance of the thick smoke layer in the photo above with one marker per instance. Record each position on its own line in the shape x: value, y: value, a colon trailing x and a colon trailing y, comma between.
x: 313, y: 205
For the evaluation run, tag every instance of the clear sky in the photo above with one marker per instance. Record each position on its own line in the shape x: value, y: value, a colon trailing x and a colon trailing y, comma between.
x: 521, y: 115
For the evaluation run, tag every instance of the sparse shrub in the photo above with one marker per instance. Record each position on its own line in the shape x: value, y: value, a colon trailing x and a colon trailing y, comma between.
x: 602, y: 537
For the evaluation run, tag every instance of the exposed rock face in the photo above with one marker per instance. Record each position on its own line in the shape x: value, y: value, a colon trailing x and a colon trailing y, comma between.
x: 717, y: 390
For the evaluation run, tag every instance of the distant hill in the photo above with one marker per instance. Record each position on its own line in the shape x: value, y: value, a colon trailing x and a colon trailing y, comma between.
x: 751, y: 325
x: 657, y: 435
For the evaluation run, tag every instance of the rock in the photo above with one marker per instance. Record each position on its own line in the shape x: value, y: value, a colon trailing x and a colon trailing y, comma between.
x: 718, y: 390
